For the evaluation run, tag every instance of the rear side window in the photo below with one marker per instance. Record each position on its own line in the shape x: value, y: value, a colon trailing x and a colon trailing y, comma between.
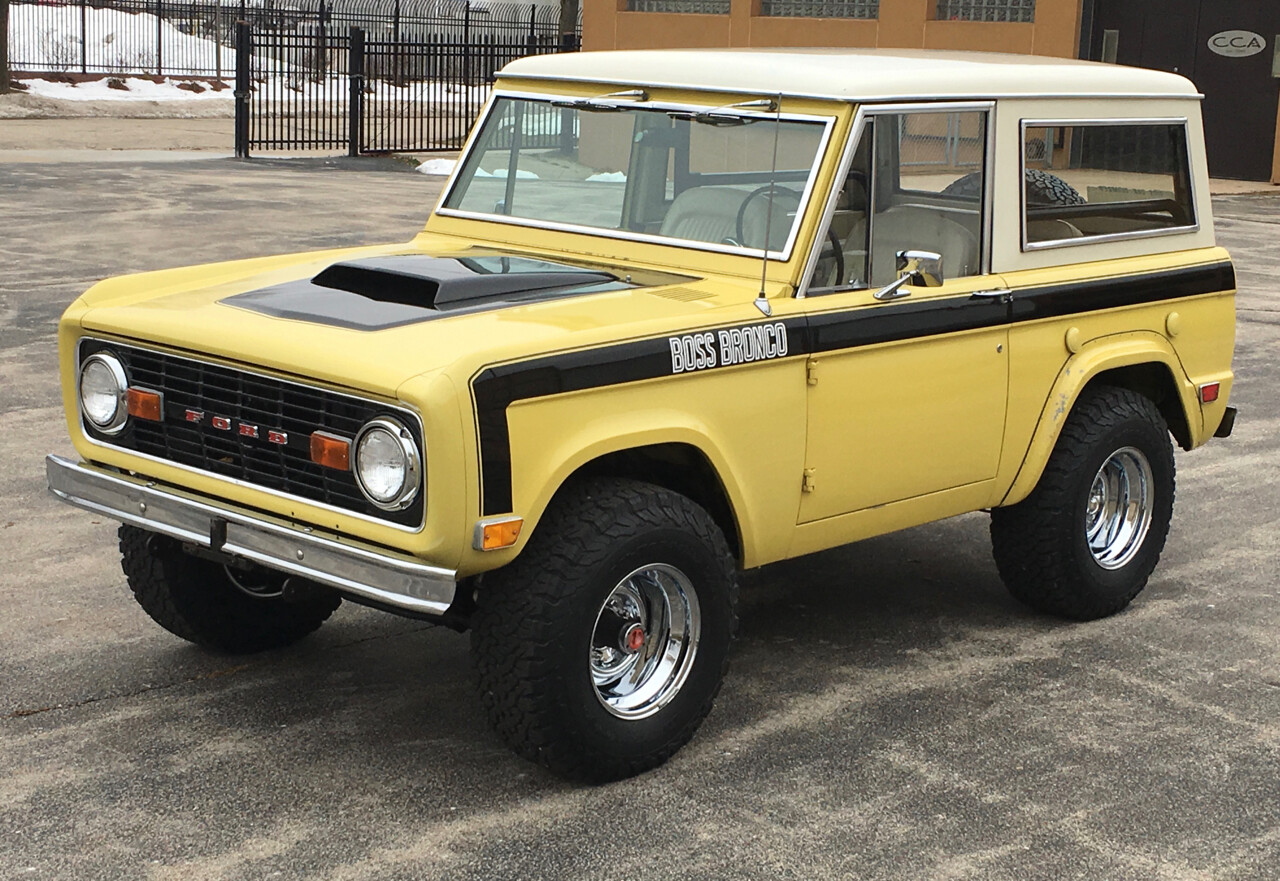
x: 1085, y: 182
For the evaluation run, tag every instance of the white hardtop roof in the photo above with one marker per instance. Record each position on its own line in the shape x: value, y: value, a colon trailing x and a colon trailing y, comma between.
x: 856, y: 74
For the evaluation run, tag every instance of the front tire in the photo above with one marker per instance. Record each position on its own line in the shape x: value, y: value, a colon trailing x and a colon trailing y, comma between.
x: 600, y: 649
x: 1086, y: 540
x: 236, y: 612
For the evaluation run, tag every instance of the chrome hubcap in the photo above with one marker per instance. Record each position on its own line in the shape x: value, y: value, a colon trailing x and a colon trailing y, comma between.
x: 1119, y: 510
x: 644, y: 641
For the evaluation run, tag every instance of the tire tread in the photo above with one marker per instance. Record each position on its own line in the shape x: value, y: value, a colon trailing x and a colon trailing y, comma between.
x: 513, y: 633
x: 1032, y: 541
x: 193, y: 599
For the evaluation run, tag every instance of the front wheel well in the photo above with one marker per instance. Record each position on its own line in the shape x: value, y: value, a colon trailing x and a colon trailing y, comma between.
x: 679, y: 467
x: 1155, y: 382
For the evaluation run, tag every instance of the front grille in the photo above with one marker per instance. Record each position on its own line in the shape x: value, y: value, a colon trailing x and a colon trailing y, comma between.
x: 252, y: 399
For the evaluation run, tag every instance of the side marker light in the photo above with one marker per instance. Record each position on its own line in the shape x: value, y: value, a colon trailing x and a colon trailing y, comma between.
x: 497, y: 535
x: 1209, y: 392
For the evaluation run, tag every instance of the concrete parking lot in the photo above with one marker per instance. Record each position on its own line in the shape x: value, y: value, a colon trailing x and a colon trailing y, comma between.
x: 890, y: 712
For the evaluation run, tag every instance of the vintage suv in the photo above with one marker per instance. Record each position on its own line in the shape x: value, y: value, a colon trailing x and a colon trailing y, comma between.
x: 677, y: 315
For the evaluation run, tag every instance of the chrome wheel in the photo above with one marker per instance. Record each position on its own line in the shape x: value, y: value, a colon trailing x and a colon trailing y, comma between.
x: 1119, y: 509
x: 257, y: 582
x: 644, y: 641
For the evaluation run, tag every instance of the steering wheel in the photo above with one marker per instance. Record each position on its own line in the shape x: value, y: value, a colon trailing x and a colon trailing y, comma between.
x: 740, y: 223
x: 839, y: 255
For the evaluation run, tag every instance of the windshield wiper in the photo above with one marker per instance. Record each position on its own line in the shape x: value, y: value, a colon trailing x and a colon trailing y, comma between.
x: 589, y: 105
x: 718, y: 116
x: 713, y: 117
x: 598, y: 105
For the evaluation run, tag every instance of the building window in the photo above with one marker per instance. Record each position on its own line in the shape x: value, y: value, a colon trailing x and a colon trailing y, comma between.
x: 821, y: 8
x: 697, y: 7
x: 986, y: 10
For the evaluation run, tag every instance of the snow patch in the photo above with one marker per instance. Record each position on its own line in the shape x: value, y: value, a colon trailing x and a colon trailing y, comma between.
x: 136, y: 89
x: 502, y: 172
x: 438, y: 166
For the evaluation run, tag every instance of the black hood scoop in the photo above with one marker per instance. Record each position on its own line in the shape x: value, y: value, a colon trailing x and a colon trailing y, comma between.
x: 375, y: 293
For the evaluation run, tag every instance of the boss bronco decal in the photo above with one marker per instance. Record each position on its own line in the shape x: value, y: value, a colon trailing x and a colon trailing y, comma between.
x: 724, y: 348
x: 495, y: 388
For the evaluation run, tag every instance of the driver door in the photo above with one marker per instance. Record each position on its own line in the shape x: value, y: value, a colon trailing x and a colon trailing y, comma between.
x: 906, y: 394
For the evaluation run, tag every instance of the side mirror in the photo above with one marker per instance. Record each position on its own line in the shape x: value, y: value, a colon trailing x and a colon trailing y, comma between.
x: 922, y: 269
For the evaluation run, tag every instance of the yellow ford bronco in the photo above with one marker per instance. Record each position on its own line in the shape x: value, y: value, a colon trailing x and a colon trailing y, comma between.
x: 677, y: 315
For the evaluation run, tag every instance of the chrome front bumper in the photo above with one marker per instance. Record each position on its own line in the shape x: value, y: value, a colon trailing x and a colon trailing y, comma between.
x: 379, y: 575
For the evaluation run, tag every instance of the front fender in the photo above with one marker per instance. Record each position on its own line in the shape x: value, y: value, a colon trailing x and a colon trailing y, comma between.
x: 1094, y: 358
x: 660, y: 427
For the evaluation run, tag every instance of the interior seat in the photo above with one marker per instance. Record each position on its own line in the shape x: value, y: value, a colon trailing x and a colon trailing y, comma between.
x: 910, y: 227
x: 710, y: 214
x: 1051, y: 230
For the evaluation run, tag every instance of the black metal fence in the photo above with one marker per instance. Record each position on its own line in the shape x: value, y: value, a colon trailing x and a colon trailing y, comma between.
x: 197, y: 37
x: 324, y: 90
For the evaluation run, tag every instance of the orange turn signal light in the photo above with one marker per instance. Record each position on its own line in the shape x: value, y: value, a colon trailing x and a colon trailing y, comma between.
x: 143, y: 404
x: 331, y: 451
x: 499, y: 535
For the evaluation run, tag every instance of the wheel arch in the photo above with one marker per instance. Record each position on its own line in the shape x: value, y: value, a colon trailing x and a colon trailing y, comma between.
x: 680, y: 467
x: 678, y: 459
x: 1141, y: 362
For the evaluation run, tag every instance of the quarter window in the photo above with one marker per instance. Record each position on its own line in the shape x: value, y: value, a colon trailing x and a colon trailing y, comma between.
x: 1090, y: 181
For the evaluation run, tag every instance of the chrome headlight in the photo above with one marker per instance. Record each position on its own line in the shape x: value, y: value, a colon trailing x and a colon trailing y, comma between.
x: 103, y: 386
x: 388, y: 466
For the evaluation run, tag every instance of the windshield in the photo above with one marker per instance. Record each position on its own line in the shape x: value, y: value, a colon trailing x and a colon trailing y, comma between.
x: 705, y: 177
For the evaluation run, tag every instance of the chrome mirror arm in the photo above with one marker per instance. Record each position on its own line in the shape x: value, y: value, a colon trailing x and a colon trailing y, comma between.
x: 892, y: 291
x: 916, y: 268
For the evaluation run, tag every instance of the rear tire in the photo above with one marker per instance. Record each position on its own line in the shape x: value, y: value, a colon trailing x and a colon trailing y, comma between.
x: 208, y: 604
x: 600, y: 649
x: 1086, y: 540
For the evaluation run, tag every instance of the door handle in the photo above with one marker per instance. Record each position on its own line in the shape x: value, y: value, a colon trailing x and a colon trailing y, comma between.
x: 1004, y: 295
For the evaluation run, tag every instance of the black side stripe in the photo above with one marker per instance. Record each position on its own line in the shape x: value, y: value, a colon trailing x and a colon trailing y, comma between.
x: 496, y: 388
x: 869, y: 325
x: 1127, y: 290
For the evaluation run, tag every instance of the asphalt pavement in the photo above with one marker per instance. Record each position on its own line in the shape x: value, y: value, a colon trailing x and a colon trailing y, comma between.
x: 890, y: 712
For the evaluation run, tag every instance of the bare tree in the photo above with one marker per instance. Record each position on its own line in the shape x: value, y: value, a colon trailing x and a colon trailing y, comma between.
x: 568, y: 20
x: 4, y: 46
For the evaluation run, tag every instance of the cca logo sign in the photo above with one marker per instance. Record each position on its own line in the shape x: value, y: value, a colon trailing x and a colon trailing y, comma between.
x: 1237, y: 44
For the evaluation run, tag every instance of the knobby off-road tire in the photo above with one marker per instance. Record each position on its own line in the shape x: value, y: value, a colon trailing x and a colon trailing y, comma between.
x: 1062, y: 550
x: 1042, y: 188
x: 551, y: 631
x: 195, y: 599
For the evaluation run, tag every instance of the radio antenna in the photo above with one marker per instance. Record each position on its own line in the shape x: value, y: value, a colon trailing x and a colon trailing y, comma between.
x: 762, y: 302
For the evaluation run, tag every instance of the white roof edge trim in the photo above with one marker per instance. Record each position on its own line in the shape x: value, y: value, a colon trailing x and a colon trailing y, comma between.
x: 904, y: 98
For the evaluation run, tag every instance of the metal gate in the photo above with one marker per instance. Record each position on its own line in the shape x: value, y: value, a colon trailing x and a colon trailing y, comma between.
x: 321, y: 91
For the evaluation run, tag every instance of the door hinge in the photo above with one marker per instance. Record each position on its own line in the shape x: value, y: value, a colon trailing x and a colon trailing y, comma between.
x: 810, y: 481
x: 811, y: 371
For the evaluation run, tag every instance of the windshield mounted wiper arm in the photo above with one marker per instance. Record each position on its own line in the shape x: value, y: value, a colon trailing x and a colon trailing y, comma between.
x: 598, y: 105
x: 719, y: 116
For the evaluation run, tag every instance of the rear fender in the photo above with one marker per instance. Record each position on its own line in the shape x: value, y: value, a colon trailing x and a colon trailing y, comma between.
x: 1095, y: 358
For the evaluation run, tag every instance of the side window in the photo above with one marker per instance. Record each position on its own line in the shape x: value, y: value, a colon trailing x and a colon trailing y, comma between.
x: 917, y: 182
x: 1090, y: 180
